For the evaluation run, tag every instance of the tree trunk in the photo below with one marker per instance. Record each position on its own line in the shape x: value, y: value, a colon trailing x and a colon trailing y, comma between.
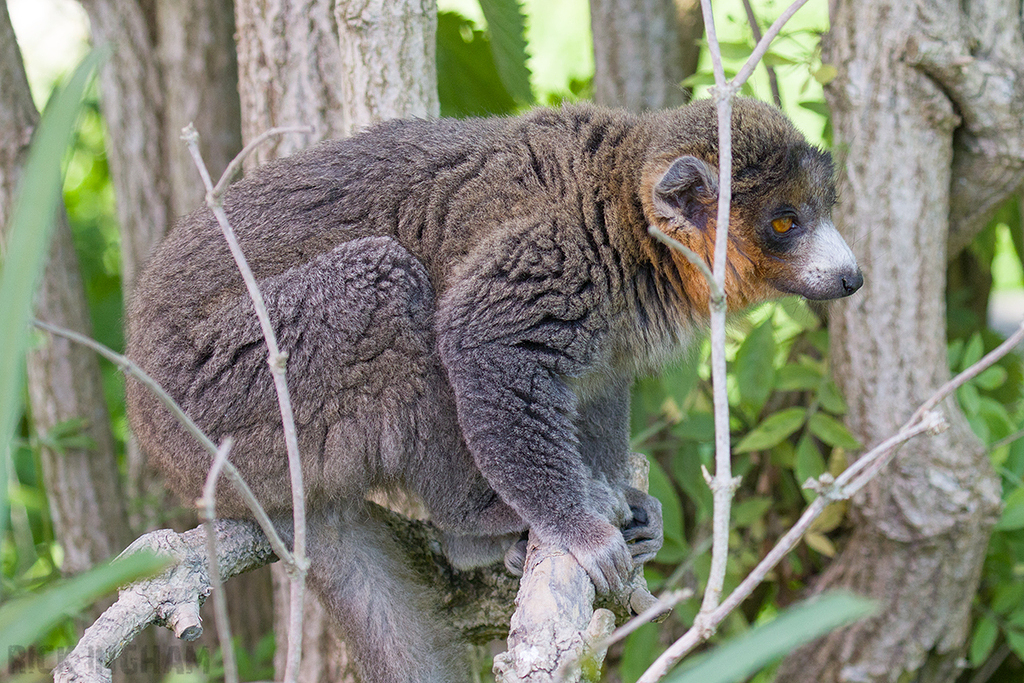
x: 643, y: 49
x: 64, y: 383
x: 921, y: 529
x: 337, y: 66
x: 63, y: 379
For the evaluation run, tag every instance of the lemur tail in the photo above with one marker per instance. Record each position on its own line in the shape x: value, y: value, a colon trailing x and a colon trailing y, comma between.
x: 388, y: 619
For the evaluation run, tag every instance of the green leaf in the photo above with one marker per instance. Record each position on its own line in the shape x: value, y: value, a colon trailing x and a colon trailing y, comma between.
x: 825, y: 74
x: 1015, y: 639
x: 809, y: 464
x: 699, y: 78
x: 831, y: 431
x: 1013, y: 512
x: 743, y: 656
x: 992, y: 378
x: 468, y: 82
x: 774, y: 59
x: 28, y: 240
x: 25, y: 620
x: 983, y: 640
x: 749, y: 510
x: 735, y: 50
x: 970, y: 399
x: 772, y: 430
x: 973, y: 352
x: 831, y: 400
x: 954, y: 351
x: 506, y: 26
x: 755, y: 367
x: 642, y: 647
x: 798, y: 377
x: 685, y: 468
x: 818, y: 107
x: 671, y: 507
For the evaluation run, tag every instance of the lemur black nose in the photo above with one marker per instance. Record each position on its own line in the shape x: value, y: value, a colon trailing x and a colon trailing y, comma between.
x: 851, y: 283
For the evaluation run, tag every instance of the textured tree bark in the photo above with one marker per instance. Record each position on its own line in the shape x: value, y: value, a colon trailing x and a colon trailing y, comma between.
x: 196, y: 48
x: 133, y: 103
x: 643, y: 49
x: 63, y: 380
x: 922, y: 528
x: 85, y: 496
x: 338, y: 66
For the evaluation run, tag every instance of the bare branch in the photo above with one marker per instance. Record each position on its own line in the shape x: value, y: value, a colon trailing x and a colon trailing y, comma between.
x: 220, y: 610
x: 171, y: 599
x: 277, y: 361
x: 762, y: 45
x: 235, y: 167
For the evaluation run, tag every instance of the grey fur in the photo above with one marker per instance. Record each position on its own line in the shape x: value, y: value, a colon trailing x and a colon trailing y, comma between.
x: 465, y: 305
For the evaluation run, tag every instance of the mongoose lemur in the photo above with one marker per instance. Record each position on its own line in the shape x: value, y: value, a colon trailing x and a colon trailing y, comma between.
x: 464, y: 305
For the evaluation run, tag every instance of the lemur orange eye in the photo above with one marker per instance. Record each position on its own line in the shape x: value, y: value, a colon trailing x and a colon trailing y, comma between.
x: 782, y: 225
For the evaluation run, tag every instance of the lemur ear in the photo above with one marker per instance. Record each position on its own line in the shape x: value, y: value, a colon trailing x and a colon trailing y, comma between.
x: 684, y: 188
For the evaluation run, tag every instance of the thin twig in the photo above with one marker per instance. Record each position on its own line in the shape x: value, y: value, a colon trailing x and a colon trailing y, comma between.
x: 207, y: 507
x: 277, y: 361
x: 234, y: 476
x: 723, y: 486
x: 235, y: 166
x: 773, y: 79
x: 844, y: 487
x: 762, y: 45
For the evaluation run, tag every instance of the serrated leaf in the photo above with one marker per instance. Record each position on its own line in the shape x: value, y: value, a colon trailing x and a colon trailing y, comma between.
x: 737, y: 659
x: 825, y: 74
x: 754, y: 367
x: 1013, y: 512
x: 506, y: 26
x: 820, y: 543
x: 983, y: 640
x: 772, y: 430
x: 832, y: 432
x: 798, y: 377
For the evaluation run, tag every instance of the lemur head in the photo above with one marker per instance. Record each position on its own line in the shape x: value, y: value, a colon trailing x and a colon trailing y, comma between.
x: 781, y: 236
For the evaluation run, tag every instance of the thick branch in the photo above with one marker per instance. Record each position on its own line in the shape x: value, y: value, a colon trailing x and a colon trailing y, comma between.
x: 478, y: 603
